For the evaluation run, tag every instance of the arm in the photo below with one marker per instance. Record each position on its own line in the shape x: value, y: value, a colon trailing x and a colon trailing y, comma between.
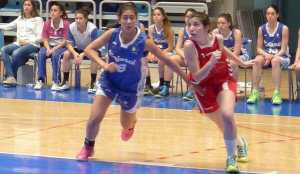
x: 297, y: 57
x: 166, y: 60
x: 284, y: 43
x: 91, y: 51
x: 142, y: 28
x: 62, y: 44
x: 170, y: 41
x: 10, y: 26
x: 237, y: 42
x: 231, y: 55
x: 150, y: 33
x: 38, y: 31
x: 179, y: 43
x: 259, y: 46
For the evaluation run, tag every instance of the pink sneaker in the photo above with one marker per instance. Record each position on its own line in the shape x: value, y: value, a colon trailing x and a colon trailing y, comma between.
x: 126, y: 134
x: 85, y: 153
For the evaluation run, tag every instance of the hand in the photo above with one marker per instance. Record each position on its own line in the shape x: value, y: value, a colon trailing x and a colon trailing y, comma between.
x: 78, y: 59
x: 267, y: 62
x: 49, y: 52
x: 269, y: 57
x: 111, y: 67
x: 23, y: 42
x: 197, y: 88
x: 216, y: 55
x: 250, y: 63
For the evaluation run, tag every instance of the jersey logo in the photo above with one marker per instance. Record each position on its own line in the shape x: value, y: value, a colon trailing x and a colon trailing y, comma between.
x: 115, y: 43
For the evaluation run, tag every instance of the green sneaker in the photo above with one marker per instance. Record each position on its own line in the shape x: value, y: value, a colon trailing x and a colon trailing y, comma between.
x: 253, y: 98
x: 231, y: 166
x: 242, y: 152
x: 276, y: 100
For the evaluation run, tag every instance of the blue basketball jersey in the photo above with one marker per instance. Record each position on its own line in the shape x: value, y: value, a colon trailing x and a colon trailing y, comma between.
x: 138, y: 24
x: 186, y: 34
x: 159, y: 38
x: 272, y: 42
x: 131, y: 74
x: 229, y: 42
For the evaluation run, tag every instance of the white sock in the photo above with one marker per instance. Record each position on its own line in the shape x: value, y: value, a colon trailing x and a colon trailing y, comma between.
x: 239, y: 141
x: 230, y: 147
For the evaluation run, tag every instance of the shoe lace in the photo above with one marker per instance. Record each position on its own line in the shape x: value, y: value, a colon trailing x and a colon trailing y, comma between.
x: 276, y: 96
x: 231, y: 161
x: 241, y: 151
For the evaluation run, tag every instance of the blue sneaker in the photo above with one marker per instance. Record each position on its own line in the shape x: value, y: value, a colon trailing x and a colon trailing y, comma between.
x: 188, y: 96
x: 164, y: 92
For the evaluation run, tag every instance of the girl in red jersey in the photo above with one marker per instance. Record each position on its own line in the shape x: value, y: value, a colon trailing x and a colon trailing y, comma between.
x: 209, y: 68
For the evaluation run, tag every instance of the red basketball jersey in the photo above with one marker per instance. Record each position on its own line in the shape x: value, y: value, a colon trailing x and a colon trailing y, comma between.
x: 220, y: 72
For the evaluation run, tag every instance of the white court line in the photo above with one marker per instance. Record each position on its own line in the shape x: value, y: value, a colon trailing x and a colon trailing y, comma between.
x: 140, y: 119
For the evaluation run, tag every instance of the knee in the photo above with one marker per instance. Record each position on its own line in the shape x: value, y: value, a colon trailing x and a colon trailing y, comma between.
x: 297, y: 67
x: 228, y: 118
x: 94, y: 121
x: 233, y: 65
x: 67, y: 56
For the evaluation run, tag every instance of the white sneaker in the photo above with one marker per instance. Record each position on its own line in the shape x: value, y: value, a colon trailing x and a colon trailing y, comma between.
x: 39, y: 85
x: 10, y: 81
x: 92, y: 88
x: 65, y: 86
x: 55, y: 87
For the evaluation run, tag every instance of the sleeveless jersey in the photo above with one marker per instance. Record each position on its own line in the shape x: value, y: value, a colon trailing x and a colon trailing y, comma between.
x: 131, y: 74
x: 272, y: 42
x: 159, y: 38
x: 186, y: 34
x: 220, y: 72
x: 229, y: 42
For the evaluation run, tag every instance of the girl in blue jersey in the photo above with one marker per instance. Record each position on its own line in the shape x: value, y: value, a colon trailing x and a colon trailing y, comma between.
x: 232, y: 40
x: 122, y: 77
x: 296, y: 67
x: 162, y: 35
x: 179, y: 58
x: 272, y: 50
x: 81, y: 33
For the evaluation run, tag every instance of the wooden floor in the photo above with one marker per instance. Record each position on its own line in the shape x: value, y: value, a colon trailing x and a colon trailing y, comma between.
x: 177, y: 137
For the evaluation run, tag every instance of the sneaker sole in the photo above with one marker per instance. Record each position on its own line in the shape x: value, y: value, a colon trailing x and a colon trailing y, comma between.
x: 245, y: 160
x: 85, y: 160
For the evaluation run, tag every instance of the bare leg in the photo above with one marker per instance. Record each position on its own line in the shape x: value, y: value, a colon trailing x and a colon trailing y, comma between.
x: 276, y: 72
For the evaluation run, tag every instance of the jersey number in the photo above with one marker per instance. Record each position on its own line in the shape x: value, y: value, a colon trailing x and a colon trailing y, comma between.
x: 121, y: 68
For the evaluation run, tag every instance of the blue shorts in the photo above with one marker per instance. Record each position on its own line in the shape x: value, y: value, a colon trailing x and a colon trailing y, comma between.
x: 129, y: 102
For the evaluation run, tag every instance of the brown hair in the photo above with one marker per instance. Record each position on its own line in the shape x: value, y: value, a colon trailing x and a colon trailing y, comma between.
x: 166, y: 22
x: 189, y: 10
x: 34, y: 12
x: 276, y: 10
x: 203, y: 18
x: 228, y: 18
x: 61, y: 8
x: 85, y: 11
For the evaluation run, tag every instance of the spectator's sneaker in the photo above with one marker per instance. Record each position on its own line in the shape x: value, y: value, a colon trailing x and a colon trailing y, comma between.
x: 242, y: 152
x: 188, y: 96
x: 126, y: 134
x: 253, y: 97
x: 276, y: 100
x: 231, y: 166
x: 85, y: 153
x: 155, y: 91
x: 65, y: 86
x: 92, y: 88
x: 164, y: 92
x: 39, y: 85
x: 10, y: 81
x: 147, y: 89
x: 55, y: 87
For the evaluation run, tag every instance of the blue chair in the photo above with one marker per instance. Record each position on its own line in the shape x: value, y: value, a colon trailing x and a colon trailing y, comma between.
x: 12, y: 6
x: 247, y: 43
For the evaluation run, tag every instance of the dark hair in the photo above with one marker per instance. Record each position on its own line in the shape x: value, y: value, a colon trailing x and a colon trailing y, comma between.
x: 189, y: 10
x: 61, y: 8
x: 276, y: 10
x: 85, y: 11
x: 202, y: 17
x: 228, y: 18
x: 34, y: 12
x: 166, y: 22
x: 126, y: 6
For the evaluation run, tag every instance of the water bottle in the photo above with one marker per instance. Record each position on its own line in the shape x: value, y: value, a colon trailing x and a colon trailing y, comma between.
x: 77, y: 76
x: 261, y: 88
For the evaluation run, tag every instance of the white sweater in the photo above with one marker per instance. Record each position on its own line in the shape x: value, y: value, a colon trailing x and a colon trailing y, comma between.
x: 27, y: 29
